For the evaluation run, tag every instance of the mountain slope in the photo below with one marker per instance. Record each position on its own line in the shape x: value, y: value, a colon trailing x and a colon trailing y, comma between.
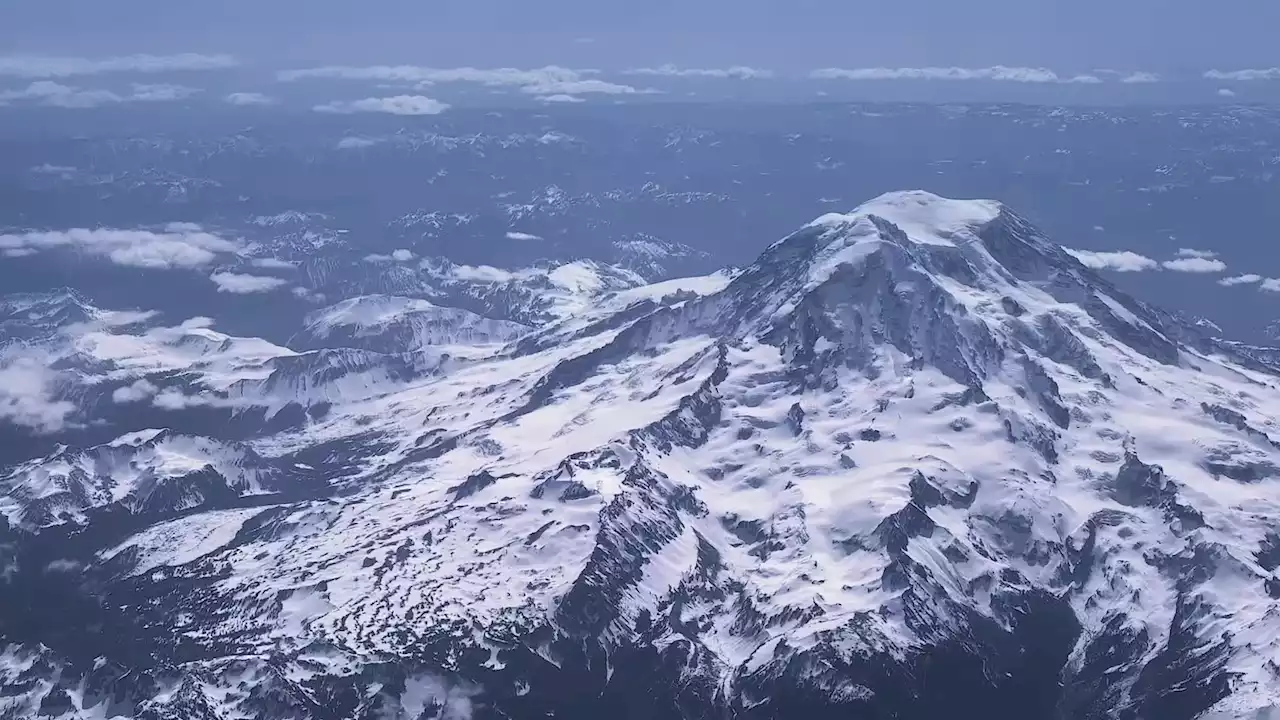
x: 915, y: 453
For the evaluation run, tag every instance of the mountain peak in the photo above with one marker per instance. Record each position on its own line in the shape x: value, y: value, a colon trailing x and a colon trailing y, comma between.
x: 924, y: 217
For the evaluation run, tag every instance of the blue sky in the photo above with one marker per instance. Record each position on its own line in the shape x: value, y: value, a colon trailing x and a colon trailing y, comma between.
x: 790, y: 35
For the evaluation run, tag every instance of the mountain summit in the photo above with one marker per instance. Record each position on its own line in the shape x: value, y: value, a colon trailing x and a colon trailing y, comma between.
x: 916, y: 461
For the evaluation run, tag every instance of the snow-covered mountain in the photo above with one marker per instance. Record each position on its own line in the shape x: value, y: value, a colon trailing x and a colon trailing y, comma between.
x: 390, y: 324
x: 914, y: 462
x: 151, y: 472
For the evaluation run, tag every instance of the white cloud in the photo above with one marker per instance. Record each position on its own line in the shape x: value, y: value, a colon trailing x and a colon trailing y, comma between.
x: 415, y: 74
x: 134, y: 248
x: 1249, y: 74
x: 249, y: 98
x: 1195, y: 265
x: 1194, y: 253
x: 52, y: 94
x: 28, y: 390
x: 580, y: 87
x: 1246, y: 279
x: 37, y: 66
x: 998, y: 73
x: 549, y: 80
x: 161, y: 92
x: 270, y: 263
x: 195, y: 323
x: 304, y: 294
x: 513, y: 235
x: 737, y: 72
x: 356, y: 143
x: 171, y: 399
x: 398, y: 105
x: 1270, y: 285
x: 1226, y: 92
x: 137, y: 392
x: 1122, y: 261
x: 400, y: 255
x: 560, y: 99
x: 242, y: 284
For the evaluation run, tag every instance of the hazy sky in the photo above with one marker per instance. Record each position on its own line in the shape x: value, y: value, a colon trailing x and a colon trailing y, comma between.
x: 785, y: 35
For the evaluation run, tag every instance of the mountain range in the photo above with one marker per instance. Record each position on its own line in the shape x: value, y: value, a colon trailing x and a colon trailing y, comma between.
x: 915, y: 461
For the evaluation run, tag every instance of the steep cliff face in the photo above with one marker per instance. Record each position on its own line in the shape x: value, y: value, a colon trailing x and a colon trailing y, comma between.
x: 914, y: 462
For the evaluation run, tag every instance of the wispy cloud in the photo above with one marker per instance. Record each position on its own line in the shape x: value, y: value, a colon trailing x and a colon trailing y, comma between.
x: 249, y: 98
x: 243, y: 284
x: 52, y: 94
x: 398, y: 105
x: 1247, y: 74
x: 736, y: 72
x: 1246, y: 279
x: 1226, y: 92
x: 41, y: 66
x: 1121, y: 261
x: 29, y: 392
x: 138, y: 391
x: 997, y: 73
x: 1194, y: 253
x: 180, y: 248
x: 515, y: 235
x: 549, y: 80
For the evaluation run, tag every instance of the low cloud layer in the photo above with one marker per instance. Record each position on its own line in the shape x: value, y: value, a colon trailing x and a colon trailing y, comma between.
x: 1245, y: 75
x: 997, y: 73
x: 181, y: 246
x: 398, y: 105
x: 549, y: 80
x: 244, y: 284
x: 736, y: 72
x: 40, y: 66
x: 516, y: 235
x: 53, y: 94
